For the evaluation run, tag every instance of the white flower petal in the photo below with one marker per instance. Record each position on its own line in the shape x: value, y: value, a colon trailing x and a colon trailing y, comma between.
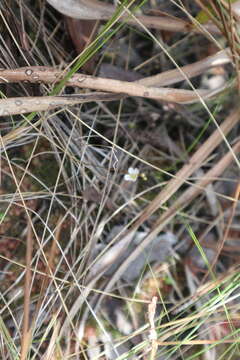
x: 132, y: 174
x: 133, y: 171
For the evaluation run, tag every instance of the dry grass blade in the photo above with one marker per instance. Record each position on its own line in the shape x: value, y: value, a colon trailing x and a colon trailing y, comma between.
x: 26, y: 333
x: 152, y: 333
x: 196, y: 342
x: 226, y: 232
x: 51, y: 353
x: 49, y: 271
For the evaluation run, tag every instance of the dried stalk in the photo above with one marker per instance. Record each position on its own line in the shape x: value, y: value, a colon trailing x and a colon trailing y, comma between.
x: 144, y: 88
x: 23, y: 105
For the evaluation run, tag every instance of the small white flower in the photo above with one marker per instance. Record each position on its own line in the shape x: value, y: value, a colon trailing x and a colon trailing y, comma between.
x: 132, y: 174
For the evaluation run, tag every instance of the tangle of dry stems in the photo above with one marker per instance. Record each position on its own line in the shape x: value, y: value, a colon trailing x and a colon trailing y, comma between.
x: 150, y: 87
